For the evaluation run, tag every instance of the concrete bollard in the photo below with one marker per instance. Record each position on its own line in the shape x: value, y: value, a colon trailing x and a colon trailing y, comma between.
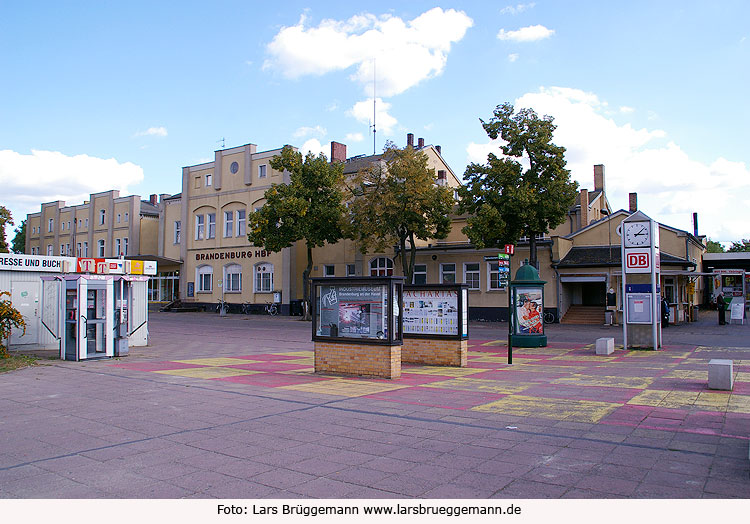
x: 720, y: 374
x: 605, y: 346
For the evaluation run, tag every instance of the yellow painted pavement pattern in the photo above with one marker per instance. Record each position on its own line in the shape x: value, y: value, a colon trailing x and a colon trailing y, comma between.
x: 604, y: 381
x: 478, y: 385
x: 688, y: 374
x: 208, y: 372
x: 343, y: 387
x: 443, y: 371
x: 554, y: 408
x: 587, y: 358
x: 218, y: 361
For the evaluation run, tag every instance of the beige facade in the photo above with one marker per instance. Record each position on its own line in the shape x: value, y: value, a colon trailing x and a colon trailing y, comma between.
x: 105, y: 226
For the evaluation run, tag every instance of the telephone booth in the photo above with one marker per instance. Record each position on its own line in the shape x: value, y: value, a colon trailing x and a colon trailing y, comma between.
x: 89, y: 317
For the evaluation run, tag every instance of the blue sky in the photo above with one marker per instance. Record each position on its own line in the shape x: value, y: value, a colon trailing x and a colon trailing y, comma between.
x: 105, y: 95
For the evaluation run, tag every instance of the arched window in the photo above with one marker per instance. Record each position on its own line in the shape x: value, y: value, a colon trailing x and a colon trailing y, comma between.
x: 263, y: 277
x: 381, y: 267
x: 233, y: 278
x: 204, y: 276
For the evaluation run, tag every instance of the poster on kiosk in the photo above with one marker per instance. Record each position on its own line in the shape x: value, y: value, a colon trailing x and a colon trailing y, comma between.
x: 640, y: 282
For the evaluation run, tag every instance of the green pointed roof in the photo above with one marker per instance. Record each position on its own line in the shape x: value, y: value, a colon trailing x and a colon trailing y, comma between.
x: 527, y: 274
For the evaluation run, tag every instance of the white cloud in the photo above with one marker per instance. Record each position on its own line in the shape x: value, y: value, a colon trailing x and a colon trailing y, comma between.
x: 354, y: 137
x: 307, y: 131
x: 152, y: 131
x: 407, y: 52
x: 531, y: 33
x: 516, y: 9
x: 362, y: 111
x: 670, y: 184
x: 46, y: 176
x: 314, y: 146
x: 626, y: 109
x: 512, y: 57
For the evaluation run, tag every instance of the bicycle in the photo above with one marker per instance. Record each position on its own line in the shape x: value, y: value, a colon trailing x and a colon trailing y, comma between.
x: 247, y: 308
x: 272, y: 309
x: 222, y: 307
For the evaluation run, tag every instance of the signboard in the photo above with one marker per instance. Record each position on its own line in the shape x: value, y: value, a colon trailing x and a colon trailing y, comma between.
x: 737, y: 311
x: 191, y: 289
x: 528, y: 303
x: 12, y: 262
x: 149, y: 267
x: 354, y: 311
x: 134, y: 267
x: 638, y: 308
x: 638, y: 260
x: 509, y: 249
x: 431, y: 312
x: 115, y: 266
x: 91, y: 265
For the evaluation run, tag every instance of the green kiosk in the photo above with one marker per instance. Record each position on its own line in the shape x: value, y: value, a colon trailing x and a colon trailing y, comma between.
x: 526, y: 310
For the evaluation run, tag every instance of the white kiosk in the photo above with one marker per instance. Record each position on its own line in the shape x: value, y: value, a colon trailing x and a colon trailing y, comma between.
x: 640, y: 279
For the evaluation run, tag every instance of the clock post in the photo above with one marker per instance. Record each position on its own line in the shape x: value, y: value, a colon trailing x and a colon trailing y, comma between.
x: 641, y: 325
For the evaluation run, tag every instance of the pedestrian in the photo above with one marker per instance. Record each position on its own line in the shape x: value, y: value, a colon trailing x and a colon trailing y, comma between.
x: 721, y: 306
x: 664, y: 311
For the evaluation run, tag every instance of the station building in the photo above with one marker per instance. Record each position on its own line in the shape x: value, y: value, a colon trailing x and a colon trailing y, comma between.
x: 199, y: 238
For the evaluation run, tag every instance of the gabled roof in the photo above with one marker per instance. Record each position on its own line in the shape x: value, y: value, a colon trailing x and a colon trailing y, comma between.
x: 594, y: 256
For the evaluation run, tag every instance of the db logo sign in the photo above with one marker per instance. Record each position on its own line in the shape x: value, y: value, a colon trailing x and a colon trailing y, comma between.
x: 638, y: 261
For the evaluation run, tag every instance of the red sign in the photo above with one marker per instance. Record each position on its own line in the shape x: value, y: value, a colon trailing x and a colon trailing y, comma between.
x: 638, y: 261
x: 92, y: 265
x: 509, y: 249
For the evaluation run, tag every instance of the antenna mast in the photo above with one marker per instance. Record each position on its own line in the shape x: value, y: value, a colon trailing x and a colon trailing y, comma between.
x: 374, y: 85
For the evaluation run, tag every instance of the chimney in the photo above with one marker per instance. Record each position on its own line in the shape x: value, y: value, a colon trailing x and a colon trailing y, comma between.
x: 154, y: 199
x: 599, y: 178
x: 695, y: 224
x: 410, y: 139
x: 420, y: 143
x: 338, y: 152
x: 439, y: 150
x: 584, y: 208
x: 633, y: 202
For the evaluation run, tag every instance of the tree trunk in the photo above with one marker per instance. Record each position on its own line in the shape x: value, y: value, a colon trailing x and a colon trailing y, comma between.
x: 532, y: 250
x: 413, y: 256
x: 306, y: 313
x: 404, y: 264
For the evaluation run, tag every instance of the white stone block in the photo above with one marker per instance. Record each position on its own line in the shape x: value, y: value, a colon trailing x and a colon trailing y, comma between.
x: 720, y: 374
x: 605, y: 346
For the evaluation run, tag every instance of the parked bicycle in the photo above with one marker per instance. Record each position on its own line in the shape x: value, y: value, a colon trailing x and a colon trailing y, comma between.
x: 272, y: 309
x: 222, y: 307
x: 247, y: 308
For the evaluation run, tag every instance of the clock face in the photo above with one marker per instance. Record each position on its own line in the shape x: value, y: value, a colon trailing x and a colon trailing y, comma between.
x: 637, y: 234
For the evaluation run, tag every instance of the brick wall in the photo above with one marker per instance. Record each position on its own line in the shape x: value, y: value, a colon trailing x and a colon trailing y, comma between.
x: 358, y: 359
x: 435, y: 352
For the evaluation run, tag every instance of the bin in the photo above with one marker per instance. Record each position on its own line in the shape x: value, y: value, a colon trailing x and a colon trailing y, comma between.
x: 608, y: 318
x: 694, y: 316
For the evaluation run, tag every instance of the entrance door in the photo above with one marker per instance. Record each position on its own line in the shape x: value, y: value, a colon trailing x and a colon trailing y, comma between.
x: 25, y: 298
x: 99, y: 321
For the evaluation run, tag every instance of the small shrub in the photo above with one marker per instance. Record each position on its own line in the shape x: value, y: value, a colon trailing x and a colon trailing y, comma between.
x: 9, y: 318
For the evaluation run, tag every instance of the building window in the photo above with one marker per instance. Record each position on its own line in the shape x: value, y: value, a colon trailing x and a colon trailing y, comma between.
x: 62, y: 226
x: 118, y: 218
x: 177, y: 231
x: 62, y: 249
x: 49, y: 250
x: 381, y: 267
x: 351, y: 270
x: 197, y: 182
x: 100, y: 248
x: 204, y: 276
x: 117, y: 247
x: 79, y: 253
x: 125, y: 245
x: 200, y: 227
x: 67, y: 249
x: 85, y: 249
x: 87, y: 222
x: 102, y: 216
x: 420, y: 274
x: 127, y: 216
x: 263, y: 278
x: 494, y: 282
x: 208, y: 179
x: 233, y: 278
x: 211, y: 225
x: 228, y: 223
x: 51, y: 225
x: 241, y: 223
x: 448, y: 273
x: 68, y: 225
x: 329, y: 270
x: 262, y: 171
x: 471, y: 275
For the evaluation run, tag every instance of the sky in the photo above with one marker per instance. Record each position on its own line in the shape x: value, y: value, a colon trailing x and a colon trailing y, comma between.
x: 121, y: 95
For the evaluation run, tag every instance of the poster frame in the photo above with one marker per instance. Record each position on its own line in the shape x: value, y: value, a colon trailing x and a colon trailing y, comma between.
x: 462, y: 314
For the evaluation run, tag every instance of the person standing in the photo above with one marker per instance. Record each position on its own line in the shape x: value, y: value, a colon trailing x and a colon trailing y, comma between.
x: 664, y: 311
x: 721, y: 306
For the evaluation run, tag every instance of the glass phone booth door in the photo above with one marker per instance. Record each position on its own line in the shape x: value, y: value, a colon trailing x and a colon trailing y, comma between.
x: 89, y: 312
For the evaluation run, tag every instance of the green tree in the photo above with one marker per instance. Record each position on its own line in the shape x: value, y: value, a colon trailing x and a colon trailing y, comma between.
x: 9, y: 318
x: 714, y: 247
x: 507, y: 200
x: 5, y: 219
x: 19, y: 241
x: 309, y: 208
x: 398, y: 200
x: 740, y: 246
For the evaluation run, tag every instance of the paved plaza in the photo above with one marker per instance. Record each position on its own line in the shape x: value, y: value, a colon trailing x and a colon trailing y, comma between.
x: 231, y: 408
